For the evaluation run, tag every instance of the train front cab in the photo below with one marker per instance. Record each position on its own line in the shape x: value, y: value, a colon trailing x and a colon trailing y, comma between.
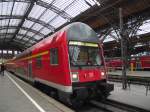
x: 87, y: 71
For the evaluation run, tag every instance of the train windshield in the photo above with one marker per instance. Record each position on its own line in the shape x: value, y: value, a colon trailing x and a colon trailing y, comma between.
x: 84, y: 54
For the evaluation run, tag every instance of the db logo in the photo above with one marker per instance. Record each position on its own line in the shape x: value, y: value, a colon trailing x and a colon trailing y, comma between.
x: 90, y: 75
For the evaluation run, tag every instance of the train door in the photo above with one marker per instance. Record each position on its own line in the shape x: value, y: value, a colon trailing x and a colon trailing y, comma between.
x: 30, y: 69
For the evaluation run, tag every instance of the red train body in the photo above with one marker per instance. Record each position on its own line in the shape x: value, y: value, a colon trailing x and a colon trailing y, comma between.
x: 139, y: 63
x: 70, y: 61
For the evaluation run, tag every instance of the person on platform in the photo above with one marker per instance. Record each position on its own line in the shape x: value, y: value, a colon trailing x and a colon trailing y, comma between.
x: 2, y: 69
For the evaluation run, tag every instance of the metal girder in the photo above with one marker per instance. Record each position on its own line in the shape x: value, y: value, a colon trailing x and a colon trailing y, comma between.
x: 32, y: 30
x: 19, y: 43
x: 3, y: 34
x: 12, y: 46
x: 24, y: 28
x: 42, y: 23
x: 25, y: 1
x: 28, y: 18
x: 10, y: 17
x: 58, y: 11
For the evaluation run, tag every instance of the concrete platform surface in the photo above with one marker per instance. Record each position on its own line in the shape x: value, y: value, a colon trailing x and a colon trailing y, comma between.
x: 133, y: 73
x: 134, y: 96
x: 18, y: 96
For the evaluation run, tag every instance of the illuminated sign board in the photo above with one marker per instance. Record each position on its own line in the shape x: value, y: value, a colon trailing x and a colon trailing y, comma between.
x: 83, y: 44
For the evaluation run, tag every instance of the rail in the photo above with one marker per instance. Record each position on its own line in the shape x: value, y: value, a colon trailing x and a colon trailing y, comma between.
x: 115, y: 106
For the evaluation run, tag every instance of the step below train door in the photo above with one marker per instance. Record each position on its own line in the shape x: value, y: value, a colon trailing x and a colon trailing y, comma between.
x: 30, y: 76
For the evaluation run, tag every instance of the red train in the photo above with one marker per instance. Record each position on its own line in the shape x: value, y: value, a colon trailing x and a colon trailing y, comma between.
x: 139, y: 63
x: 70, y: 61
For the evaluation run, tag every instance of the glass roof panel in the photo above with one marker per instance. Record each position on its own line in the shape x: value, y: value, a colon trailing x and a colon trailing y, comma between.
x: 47, y: 1
x: 30, y: 34
x: 3, y: 31
x: 28, y: 24
x: 19, y: 37
x: 25, y: 38
x: 31, y: 41
x: 48, y: 15
x: 45, y: 31
x: 36, y: 11
x: 5, y: 8
x: 8, y: 36
x: 78, y: 7
x: 19, y: 8
x: 4, y: 22
x: 11, y: 30
x: 58, y: 21
x: 61, y: 4
x: 18, y: 41
x: 37, y: 26
x: 38, y: 37
x: 14, y: 22
x: 22, y: 31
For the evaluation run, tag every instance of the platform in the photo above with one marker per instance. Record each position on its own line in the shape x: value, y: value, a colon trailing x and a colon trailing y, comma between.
x: 18, y: 96
x: 134, y: 96
x: 131, y: 73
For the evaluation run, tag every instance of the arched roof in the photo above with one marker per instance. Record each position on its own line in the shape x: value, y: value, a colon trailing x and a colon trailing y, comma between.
x: 25, y: 22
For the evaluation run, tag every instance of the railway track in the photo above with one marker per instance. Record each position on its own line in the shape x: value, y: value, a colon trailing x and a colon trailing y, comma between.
x: 110, y: 106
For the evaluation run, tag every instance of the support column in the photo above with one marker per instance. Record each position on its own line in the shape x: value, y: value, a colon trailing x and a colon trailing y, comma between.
x: 2, y: 55
x: 123, y: 50
x: 13, y: 53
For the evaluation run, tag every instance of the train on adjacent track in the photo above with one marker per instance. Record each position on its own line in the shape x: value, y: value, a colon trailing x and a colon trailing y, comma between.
x: 70, y: 61
x: 136, y: 63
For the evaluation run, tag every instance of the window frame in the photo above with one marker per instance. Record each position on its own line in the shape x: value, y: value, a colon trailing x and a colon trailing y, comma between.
x: 53, y: 57
x: 37, y: 62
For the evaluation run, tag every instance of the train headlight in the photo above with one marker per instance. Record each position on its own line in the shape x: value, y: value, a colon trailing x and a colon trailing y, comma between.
x: 103, y: 76
x: 75, y: 76
x: 102, y: 73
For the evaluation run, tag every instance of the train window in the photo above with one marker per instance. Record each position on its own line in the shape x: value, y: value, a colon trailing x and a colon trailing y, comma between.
x: 54, y: 56
x: 39, y: 61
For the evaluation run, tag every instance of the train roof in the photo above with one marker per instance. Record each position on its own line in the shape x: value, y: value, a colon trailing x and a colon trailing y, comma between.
x: 81, y: 32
